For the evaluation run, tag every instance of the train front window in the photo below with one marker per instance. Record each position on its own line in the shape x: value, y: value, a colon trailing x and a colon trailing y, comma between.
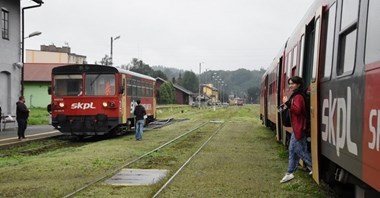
x: 100, y: 85
x: 67, y: 85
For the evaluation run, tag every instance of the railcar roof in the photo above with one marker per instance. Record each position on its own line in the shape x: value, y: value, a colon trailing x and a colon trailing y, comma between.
x: 95, y: 69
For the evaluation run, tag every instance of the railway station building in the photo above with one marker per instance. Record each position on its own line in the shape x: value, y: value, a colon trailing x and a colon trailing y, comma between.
x: 11, y: 54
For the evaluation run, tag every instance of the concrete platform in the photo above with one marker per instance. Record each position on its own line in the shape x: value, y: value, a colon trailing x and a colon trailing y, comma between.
x: 135, y: 177
x: 9, y: 135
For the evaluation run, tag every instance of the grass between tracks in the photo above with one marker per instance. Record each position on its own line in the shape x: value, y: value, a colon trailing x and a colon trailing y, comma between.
x: 242, y: 160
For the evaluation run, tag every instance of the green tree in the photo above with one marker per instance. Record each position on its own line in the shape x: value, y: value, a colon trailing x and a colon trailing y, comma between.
x: 167, y: 93
x: 106, y: 60
x: 190, y: 81
x: 139, y: 66
x: 253, y: 94
x: 159, y: 73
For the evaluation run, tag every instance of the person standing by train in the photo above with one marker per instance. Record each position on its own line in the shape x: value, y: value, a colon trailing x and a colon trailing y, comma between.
x: 297, y: 145
x: 22, y: 114
x: 140, y: 113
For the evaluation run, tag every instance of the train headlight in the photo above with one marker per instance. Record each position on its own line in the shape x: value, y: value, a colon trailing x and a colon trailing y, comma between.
x: 61, y: 104
x: 105, y: 104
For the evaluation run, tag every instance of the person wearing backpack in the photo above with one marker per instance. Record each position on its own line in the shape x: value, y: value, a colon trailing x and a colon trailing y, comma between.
x: 140, y: 113
x: 298, y: 117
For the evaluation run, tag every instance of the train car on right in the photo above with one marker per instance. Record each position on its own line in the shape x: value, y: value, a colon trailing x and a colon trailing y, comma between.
x: 336, y: 50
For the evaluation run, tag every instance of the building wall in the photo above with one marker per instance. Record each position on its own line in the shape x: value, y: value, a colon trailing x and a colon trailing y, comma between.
x: 36, y: 94
x: 10, y: 76
x: 36, y: 56
x: 180, y: 97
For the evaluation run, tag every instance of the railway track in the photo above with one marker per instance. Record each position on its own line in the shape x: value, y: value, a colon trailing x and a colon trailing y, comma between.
x: 161, y: 147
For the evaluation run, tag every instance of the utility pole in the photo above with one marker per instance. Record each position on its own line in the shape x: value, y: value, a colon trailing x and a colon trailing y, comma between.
x: 112, y: 39
x: 199, y: 82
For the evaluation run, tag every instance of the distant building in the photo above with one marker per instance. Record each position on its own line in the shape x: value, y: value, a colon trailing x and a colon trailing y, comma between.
x: 10, y: 54
x: 53, y: 54
x: 37, y: 71
x: 182, y: 95
x: 37, y: 79
x: 211, y: 92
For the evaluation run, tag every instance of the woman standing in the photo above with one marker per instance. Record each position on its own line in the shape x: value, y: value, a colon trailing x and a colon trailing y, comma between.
x: 298, y: 117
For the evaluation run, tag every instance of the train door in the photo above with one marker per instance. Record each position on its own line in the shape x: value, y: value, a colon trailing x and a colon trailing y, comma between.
x: 312, y: 77
x: 279, y: 128
x: 124, y: 108
x: 265, y: 118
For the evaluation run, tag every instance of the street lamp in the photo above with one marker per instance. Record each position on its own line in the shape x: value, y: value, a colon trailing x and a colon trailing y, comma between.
x: 112, y: 39
x: 36, y: 33
x: 22, y: 39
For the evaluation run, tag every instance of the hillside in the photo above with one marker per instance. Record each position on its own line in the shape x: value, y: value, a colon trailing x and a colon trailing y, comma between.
x: 238, y: 82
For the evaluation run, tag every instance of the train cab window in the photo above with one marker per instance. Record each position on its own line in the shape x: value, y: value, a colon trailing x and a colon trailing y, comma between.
x: 100, y: 85
x: 329, y: 45
x: 347, y: 37
x: 373, y: 28
x: 67, y: 85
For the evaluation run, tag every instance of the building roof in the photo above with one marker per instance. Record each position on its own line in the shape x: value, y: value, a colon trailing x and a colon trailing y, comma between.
x: 38, y: 1
x: 39, y: 72
x: 177, y: 86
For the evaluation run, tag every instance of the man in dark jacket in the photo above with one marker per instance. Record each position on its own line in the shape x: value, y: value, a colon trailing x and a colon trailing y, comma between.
x: 22, y: 114
x: 139, y: 112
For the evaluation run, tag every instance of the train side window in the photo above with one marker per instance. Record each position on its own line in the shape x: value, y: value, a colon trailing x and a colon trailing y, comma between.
x: 134, y: 88
x: 347, y: 48
x: 289, y: 64
x: 139, y: 89
x: 129, y: 87
x: 350, y: 11
x: 347, y: 37
x: 302, y: 44
x: 329, y: 41
x: 295, y: 50
x: 372, y: 53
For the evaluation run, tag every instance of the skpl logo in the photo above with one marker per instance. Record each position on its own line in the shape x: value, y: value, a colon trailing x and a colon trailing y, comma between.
x: 82, y: 105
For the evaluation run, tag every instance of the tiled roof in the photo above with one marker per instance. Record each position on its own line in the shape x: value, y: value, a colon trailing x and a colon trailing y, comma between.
x: 177, y: 86
x: 39, y: 72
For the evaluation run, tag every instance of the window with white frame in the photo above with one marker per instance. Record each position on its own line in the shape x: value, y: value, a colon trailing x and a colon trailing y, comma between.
x: 4, y: 23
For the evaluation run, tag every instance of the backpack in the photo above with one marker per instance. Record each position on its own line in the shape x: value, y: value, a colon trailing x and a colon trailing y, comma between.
x: 285, y: 116
x: 285, y: 112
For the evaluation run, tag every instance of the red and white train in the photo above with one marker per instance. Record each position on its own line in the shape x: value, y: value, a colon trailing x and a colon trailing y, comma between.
x: 336, y: 49
x: 97, y: 100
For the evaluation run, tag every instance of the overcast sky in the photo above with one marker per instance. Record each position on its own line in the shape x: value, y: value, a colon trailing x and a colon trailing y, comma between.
x: 222, y: 34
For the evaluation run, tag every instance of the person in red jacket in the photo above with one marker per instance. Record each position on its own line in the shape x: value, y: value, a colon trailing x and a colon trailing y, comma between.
x: 297, y: 145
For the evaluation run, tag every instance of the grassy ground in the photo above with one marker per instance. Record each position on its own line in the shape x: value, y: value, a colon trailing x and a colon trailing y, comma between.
x: 242, y: 160
x: 38, y: 116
